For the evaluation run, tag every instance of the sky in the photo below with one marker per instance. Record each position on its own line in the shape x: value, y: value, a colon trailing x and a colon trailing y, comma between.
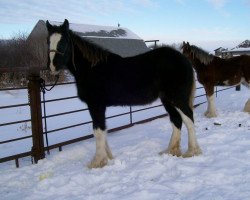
x: 207, y: 23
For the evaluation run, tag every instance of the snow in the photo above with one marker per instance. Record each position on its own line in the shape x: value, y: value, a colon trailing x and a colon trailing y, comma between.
x: 222, y: 172
x: 85, y: 28
x: 244, y: 44
x: 239, y: 49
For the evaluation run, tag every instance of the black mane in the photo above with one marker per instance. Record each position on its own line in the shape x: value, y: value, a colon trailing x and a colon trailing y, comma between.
x: 202, y: 55
x: 90, y: 51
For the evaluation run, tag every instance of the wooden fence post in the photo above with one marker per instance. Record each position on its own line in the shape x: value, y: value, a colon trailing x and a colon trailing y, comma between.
x: 36, y: 117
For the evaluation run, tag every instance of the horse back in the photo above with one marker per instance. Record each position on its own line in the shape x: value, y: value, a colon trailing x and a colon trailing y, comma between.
x: 141, y: 79
x: 225, y: 71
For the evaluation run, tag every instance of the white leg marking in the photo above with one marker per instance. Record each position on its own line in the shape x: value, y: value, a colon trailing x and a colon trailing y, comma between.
x: 245, y: 83
x: 103, y: 152
x: 193, y: 147
x: 174, y: 144
x: 226, y: 82
x: 247, y: 106
x: 211, y: 111
x: 54, y: 39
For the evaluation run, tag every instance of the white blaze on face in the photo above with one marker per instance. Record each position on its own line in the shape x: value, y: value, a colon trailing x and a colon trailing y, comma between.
x: 54, y: 39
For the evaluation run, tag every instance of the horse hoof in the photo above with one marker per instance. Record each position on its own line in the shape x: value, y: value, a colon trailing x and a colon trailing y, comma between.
x: 210, y: 115
x: 193, y: 152
x: 173, y: 152
x: 98, y: 163
x: 110, y: 156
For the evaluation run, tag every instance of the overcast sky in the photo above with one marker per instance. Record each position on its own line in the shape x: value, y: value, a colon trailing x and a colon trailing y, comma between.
x: 203, y: 22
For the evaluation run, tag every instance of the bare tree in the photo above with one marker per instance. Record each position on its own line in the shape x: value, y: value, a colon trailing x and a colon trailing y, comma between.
x: 22, y: 53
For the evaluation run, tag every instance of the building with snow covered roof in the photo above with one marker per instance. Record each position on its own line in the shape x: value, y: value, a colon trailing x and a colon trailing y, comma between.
x: 118, y: 40
x: 241, y: 49
x: 235, y: 52
x: 219, y: 50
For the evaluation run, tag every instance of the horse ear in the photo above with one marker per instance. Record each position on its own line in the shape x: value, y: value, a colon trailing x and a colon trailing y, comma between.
x: 184, y: 43
x: 48, y: 25
x: 188, y: 44
x: 65, y: 25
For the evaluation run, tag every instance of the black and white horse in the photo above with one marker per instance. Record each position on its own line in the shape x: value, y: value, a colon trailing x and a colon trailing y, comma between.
x: 105, y: 79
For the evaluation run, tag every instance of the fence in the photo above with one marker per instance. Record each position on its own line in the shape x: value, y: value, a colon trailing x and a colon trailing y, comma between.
x: 40, y: 116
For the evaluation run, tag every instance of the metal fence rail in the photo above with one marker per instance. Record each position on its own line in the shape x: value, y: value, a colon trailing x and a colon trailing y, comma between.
x: 45, y: 132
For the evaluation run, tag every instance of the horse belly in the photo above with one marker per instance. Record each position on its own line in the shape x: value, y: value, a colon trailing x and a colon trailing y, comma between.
x: 132, y: 97
x: 230, y: 81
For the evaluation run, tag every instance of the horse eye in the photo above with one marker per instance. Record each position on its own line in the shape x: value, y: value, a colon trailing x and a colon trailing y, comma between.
x: 60, y: 46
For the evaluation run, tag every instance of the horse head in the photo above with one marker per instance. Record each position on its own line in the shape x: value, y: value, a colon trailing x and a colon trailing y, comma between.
x: 59, y: 46
x: 186, y: 50
x: 196, y: 55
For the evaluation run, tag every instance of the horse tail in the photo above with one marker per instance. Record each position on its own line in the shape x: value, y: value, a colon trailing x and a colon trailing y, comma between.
x: 191, y: 97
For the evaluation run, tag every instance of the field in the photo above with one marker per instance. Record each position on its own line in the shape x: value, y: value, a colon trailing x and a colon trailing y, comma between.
x: 138, y: 172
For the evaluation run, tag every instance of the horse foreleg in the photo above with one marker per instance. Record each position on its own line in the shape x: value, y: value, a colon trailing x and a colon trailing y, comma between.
x: 211, y: 110
x: 193, y: 147
x: 103, y: 152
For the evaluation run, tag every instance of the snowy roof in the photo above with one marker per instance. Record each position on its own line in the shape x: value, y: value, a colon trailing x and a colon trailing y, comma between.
x: 244, y: 44
x: 239, y: 49
x: 121, y: 41
x: 242, y: 49
x: 220, y: 49
x: 88, y: 30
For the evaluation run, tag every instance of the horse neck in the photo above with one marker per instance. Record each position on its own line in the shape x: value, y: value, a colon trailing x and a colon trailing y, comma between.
x: 197, y: 64
x: 200, y: 58
x: 86, y: 55
x: 93, y: 53
x: 77, y: 62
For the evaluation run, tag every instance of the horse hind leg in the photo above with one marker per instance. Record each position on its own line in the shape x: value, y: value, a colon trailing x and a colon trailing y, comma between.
x: 176, y: 121
x: 247, y: 85
x: 244, y: 82
x: 187, y: 116
x: 247, y: 106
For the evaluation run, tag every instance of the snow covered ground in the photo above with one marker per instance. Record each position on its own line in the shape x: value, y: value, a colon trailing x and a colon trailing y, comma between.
x: 222, y: 172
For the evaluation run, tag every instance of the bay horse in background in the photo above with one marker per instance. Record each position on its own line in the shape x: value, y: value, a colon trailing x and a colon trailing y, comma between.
x: 215, y: 71
x: 105, y: 79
